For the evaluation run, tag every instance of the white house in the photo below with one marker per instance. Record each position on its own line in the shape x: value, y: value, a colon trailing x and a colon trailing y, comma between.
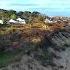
x: 21, y: 21
x: 1, y: 21
x: 48, y: 21
x: 12, y: 21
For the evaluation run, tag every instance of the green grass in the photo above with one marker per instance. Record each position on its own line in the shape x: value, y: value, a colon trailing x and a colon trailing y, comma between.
x: 8, y: 57
x: 5, y: 57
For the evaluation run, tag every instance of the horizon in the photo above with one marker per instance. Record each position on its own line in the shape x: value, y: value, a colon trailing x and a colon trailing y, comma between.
x: 48, y: 7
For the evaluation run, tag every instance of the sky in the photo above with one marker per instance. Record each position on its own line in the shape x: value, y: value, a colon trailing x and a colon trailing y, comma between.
x: 48, y: 7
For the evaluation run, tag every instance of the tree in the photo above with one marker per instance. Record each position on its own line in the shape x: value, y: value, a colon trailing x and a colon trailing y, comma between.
x: 26, y: 14
x: 19, y: 14
x: 12, y: 12
x: 13, y: 16
x: 35, y: 14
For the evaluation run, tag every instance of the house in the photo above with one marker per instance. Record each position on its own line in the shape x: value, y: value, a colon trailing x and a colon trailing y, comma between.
x: 17, y: 21
x: 48, y: 21
x: 12, y: 21
x: 21, y: 21
x: 1, y: 21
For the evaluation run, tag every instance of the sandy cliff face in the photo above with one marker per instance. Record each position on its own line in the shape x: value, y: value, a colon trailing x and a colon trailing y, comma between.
x: 44, y: 50
x: 29, y: 63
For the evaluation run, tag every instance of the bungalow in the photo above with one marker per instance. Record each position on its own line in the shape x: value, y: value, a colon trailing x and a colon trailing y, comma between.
x: 12, y: 21
x: 21, y: 21
x: 17, y: 21
x: 48, y: 21
x: 1, y: 21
